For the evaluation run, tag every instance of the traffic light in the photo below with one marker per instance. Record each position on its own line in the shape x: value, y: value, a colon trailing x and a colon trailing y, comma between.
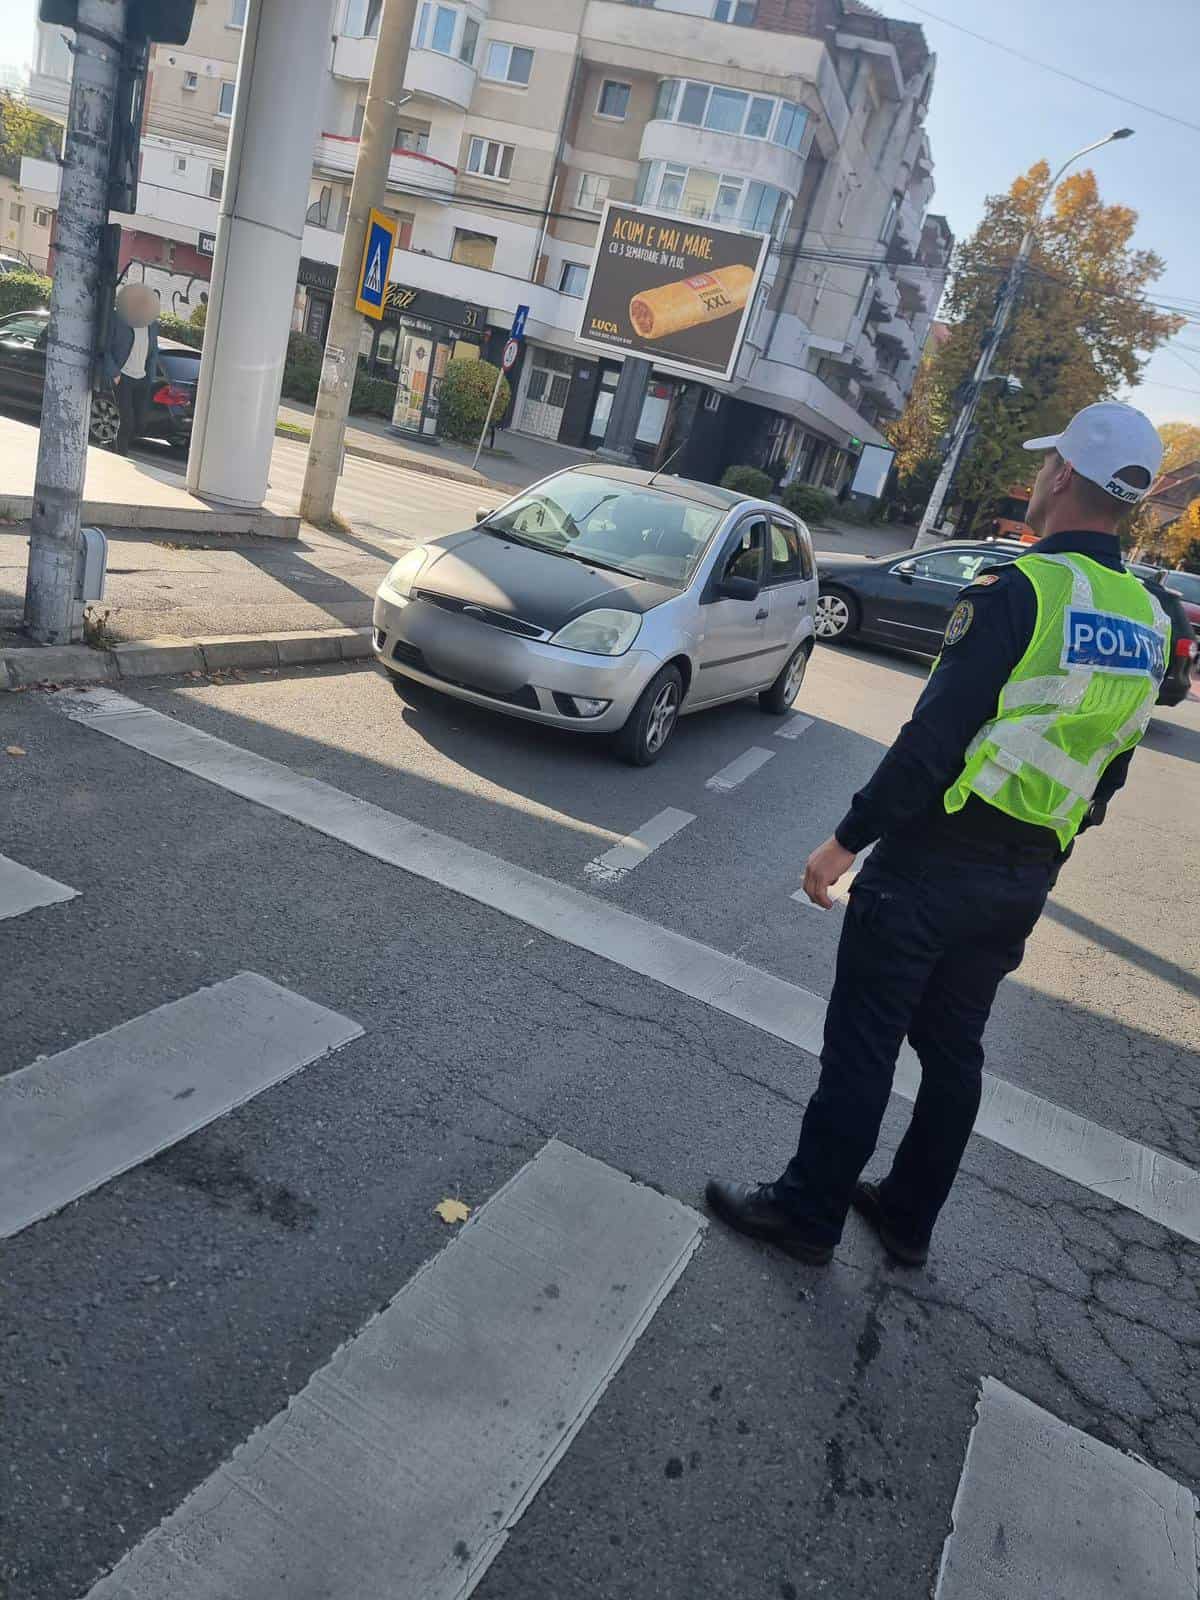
x: 157, y: 21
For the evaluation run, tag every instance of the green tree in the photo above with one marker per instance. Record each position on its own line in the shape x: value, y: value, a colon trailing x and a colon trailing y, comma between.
x: 1182, y: 537
x: 25, y: 132
x: 463, y: 398
x: 1181, y: 444
x: 1082, y: 329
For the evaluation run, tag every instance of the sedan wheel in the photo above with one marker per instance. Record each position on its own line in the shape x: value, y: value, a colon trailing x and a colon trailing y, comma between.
x: 781, y: 696
x: 105, y: 423
x: 834, y: 619
x: 652, y: 721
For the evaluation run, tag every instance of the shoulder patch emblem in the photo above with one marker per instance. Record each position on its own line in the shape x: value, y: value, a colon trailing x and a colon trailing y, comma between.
x: 961, y: 619
x: 982, y: 583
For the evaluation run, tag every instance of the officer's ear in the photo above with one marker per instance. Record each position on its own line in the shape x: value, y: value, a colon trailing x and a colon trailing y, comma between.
x: 1063, y: 476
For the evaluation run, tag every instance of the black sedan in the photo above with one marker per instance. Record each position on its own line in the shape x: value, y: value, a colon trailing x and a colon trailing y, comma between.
x: 23, y: 373
x: 906, y: 600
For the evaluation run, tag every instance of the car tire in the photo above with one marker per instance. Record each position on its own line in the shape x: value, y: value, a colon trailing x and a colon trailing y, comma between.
x: 651, y: 723
x: 837, y: 616
x: 105, y: 422
x: 779, y: 699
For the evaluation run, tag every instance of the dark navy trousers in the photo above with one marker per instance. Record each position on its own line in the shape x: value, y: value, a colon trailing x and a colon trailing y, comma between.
x: 928, y: 936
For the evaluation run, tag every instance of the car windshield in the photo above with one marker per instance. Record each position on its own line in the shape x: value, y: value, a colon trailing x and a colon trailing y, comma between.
x: 179, y: 367
x: 645, y: 532
x: 1185, y: 584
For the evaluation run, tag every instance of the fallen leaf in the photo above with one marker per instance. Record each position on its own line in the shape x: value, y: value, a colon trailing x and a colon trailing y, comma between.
x: 452, y: 1211
x: 13, y: 750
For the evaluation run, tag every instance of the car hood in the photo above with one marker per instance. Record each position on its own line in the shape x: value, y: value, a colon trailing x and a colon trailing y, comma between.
x: 530, y: 585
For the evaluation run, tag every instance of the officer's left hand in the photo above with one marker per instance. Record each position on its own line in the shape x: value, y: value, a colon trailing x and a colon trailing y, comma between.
x: 825, y: 866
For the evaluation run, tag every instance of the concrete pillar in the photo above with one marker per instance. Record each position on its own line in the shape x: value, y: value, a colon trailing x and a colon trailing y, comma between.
x: 268, y: 168
x: 626, y: 413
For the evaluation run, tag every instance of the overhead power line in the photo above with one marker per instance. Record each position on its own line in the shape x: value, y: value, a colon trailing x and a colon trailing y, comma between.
x: 1046, y: 66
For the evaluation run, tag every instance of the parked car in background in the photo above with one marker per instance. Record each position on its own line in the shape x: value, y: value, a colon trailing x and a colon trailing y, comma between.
x: 607, y: 600
x: 23, y: 375
x: 12, y: 263
x: 1187, y: 586
x: 906, y: 600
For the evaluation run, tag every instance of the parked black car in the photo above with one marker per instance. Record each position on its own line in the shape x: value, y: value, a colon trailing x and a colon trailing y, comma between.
x: 906, y: 600
x: 23, y: 372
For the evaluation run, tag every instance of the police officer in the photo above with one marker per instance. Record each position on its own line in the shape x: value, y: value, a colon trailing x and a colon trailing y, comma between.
x: 1048, y: 674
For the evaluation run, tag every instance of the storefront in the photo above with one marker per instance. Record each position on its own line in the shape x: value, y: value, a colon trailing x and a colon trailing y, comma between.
x: 420, y: 334
x: 317, y: 279
x: 569, y: 399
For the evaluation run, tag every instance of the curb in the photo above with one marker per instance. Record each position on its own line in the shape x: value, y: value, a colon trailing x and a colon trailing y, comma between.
x: 151, y: 658
x: 120, y: 516
x: 432, y: 469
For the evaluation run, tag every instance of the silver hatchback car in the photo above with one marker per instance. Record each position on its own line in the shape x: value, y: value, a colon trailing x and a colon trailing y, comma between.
x: 608, y: 600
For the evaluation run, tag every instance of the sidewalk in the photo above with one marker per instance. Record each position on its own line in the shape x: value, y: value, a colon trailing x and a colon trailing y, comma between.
x: 517, y: 461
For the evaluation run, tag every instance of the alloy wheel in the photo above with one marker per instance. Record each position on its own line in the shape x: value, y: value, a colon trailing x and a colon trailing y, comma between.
x: 663, y: 714
x: 833, y: 616
x: 797, y: 667
x: 105, y: 423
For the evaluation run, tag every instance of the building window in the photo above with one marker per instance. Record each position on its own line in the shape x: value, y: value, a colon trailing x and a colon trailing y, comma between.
x: 317, y: 215
x: 473, y: 249
x: 180, y: 163
x: 739, y: 11
x: 225, y: 101
x: 573, y: 279
x: 237, y: 13
x: 362, y: 19
x: 191, y: 80
x: 752, y: 116
x: 412, y: 136
x: 889, y: 220
x: 508, y: 63
x: 41, y: 217
x: 713, y: 196
x: 470, y: 38
x: 613, y: 100
x: 16, y: 212
x: 437, y: 26
x: 356, y: 126
x: 487, y: 158
x: 216, y: 182
x: 593, y: 192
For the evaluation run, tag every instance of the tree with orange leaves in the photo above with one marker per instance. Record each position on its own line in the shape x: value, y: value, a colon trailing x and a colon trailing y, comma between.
x: 1081, y: 331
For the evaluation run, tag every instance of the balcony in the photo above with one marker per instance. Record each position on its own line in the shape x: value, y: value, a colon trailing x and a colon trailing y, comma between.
x: 616, y: 34
x: 408, y: 171
x: 885, y: 297
x: 682, y: 145
x: 886, y: 392
x: 899, y: 337
x: 920, y: 289
x: 353, y: 58
x: 864, y: 357
x: 442, y: 78
x: 906, y: 235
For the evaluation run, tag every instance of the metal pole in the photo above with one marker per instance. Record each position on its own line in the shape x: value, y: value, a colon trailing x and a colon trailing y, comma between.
x: 488, y: 418
x: 345, y: 323
x: 1009, y: 296
x: 74, y: 311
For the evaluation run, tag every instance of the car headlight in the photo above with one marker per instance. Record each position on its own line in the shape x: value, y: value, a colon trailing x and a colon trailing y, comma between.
x: 600, y: 633
x: 404, y: 574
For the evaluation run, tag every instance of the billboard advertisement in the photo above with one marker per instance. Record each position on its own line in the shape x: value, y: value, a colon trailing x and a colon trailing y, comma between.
x: 671, y: 290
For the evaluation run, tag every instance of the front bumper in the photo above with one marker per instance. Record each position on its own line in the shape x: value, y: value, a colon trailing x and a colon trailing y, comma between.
x: 488, y: 667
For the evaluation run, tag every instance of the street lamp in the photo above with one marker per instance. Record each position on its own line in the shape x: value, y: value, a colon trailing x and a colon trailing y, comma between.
x: 1007, y: 299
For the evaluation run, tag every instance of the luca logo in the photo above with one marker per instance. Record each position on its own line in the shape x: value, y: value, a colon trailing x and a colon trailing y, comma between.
x: 1115, y: 644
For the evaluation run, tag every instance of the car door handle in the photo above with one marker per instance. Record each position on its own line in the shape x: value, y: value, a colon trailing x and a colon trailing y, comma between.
x: 760, y: 616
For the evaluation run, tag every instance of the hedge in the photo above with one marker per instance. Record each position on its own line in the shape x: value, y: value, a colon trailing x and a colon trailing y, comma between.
x: 23, y: 291
x: 463, y: 399
x: 814, y: 505
x: 748, y: 480
x: 183, y: 332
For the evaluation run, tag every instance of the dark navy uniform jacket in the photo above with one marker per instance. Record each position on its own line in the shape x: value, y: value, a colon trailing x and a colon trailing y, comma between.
x: 905, y: 797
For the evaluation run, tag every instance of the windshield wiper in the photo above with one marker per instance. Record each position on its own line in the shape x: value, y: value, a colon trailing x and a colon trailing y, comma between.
x: 513, y: 538
x: 594, y: 561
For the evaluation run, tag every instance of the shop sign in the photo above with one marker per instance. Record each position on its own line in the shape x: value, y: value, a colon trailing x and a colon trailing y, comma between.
x: 403, y: 303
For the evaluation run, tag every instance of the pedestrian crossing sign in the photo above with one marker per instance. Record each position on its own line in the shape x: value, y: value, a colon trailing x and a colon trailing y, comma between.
x: 376, y: 264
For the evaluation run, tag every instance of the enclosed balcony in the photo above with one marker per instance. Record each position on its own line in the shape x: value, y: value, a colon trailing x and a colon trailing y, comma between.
x: 721, y: 197
x: 885, y: 297
x: 898, y: 336
x: 723, y: 129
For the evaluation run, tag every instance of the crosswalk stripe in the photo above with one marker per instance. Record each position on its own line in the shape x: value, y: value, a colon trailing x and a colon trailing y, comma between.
x: 74, y: 1120
x: 22, y: 889
x: 1062, y: 1141
x: 793, y: 727
x: 738, y: 771
x: 633, y: 849
x: 402, y: 1466
x: 1043, y: 1509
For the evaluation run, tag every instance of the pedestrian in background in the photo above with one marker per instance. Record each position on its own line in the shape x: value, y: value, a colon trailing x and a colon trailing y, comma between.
x: 130, y: 361
x: 1048, y: 675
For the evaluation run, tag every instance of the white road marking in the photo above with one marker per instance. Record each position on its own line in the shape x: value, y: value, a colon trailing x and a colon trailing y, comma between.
x: 633, y: 849
x: 1043, y: 1509
x: 793, y: 727
x: 738, y: 771
x: 401, y: 1467
x: 1062, y: 1141
x: 22, y: 889
x: 73, y: 1121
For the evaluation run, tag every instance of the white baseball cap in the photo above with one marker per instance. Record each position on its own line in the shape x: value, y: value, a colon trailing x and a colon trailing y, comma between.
x: 1101, y: 440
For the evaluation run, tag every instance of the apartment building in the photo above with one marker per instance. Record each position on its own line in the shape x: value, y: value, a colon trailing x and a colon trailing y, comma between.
x: 803, y: 119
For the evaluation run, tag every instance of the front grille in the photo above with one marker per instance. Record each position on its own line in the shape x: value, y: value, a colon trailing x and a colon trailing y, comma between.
x: 484, y: 614
x: 525, y: 696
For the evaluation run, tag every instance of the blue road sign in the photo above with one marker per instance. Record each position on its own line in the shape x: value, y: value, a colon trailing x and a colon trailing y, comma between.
x: 376, y: 265
x: 518, y: 322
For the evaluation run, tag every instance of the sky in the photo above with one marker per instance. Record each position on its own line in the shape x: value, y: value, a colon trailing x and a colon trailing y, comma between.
x: 992, y: 116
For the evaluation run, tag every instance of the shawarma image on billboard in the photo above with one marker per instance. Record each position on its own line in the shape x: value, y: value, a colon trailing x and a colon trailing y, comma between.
x: 670, y: 289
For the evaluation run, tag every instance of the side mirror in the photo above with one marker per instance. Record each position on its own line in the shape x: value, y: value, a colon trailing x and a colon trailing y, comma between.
x: 905, y: 571
x: 482, y: 513
x: 738, y: 588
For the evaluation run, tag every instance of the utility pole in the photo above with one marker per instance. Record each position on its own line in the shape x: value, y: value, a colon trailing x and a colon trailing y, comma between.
x: 345, y: 323
x: 1009, y: 295
x: 74, y: 315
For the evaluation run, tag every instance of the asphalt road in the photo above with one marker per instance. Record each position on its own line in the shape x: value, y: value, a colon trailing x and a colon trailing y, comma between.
x: 777, y: 1431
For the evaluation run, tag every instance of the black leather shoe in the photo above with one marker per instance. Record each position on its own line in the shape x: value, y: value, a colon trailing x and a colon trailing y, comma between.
x: 867, y: 1203
x: 752, y: 1209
